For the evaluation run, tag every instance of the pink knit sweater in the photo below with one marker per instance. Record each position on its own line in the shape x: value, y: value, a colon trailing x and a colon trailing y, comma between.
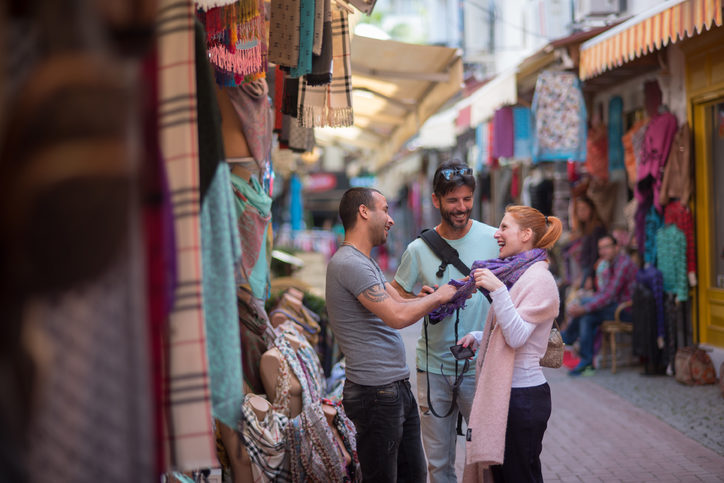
x: 535, y: 296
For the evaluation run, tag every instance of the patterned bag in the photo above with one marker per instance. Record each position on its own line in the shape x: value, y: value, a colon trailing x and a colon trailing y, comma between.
x: 554, y: 352
x: 693, y: 366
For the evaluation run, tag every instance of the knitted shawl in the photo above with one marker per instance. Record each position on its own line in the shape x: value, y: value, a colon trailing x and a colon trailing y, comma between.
x: 535, y: 296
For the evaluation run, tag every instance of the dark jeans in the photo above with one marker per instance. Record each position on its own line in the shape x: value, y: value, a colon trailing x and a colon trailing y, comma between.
x: 584, y: 329
x: 530, y: 408
x: 388, y: 431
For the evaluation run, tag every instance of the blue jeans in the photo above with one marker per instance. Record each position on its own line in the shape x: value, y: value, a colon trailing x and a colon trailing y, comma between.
x: 388, y: 431
x: 584, y: 328
x: 438, y: 434
x: 528, y: 413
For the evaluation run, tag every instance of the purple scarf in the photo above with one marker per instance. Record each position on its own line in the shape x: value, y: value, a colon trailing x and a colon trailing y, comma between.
x: 508, y: 270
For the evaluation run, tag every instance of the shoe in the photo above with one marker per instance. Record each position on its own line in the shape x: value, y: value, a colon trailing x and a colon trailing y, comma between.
x: 588, y: 371
x: 579, y: 369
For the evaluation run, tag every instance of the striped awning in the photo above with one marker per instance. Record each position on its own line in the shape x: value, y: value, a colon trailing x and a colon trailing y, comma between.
x: 647, y: 32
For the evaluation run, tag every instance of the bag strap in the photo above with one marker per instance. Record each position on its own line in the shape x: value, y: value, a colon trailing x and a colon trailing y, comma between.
x: 442, y: 249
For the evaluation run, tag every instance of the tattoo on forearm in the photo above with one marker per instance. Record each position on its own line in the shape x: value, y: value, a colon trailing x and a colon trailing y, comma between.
x: 376, y: 293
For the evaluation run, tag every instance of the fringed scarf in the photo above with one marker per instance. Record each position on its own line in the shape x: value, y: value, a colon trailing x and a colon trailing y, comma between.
x: 508, y: 270
x: 236, y: 40
x: 284, y: 32
x: 535, y: 297
x: 331, y: 105
x: 306, y: 39
x: 322, y: 61
x: 251, y: 104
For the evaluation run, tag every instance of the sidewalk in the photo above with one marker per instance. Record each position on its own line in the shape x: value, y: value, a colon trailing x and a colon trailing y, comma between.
x: 621, y: 428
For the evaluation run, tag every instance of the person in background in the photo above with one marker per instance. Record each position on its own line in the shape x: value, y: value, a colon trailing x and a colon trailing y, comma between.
x: 453, y: 189
x: 615, y: 287
x: 364, y: 313
x: 582, y: 250
x: 512, y: 398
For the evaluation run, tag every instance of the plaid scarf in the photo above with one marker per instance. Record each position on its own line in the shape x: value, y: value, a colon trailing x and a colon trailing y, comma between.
x: 508, y: 270
x: 265, y: 443
x: 322, y: 61
x: 331, y: 105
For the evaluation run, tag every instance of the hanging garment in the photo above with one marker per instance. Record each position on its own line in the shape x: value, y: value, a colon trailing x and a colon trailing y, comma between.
x: 331, y: 105
x: 541, y: 196
x: 678, y: 214
x: 221, y: 251
x: 653, y: 222
x: 93, y: 418
x: 643, y: 315
x: 251, y: 103
x: 284, y: 36
x: 253, y: 211
x: 597, y: 153
x: 503, y: 133
x: 190, y: 436
x: 236, y: 40
x: 319, y: 13
x: 671, y: 260
x: 306, y: 39
x: 321, y: 73
x: 652, y: 278
x: 523, y: 132
x: 278, y: 98
x: 657, y: 143
x: 559, y: 114
x: 633, y: 142
x: 677, y: 180
x: 615, y: 133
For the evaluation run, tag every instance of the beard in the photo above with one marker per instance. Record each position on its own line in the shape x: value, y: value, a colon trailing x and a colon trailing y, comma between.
x: 447, y: 216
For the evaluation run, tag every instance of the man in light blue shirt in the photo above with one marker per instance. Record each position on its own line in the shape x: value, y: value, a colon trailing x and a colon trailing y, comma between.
x: 453, y: 189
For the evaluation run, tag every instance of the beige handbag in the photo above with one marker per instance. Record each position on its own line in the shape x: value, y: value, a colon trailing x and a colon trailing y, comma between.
x: 554, y: 352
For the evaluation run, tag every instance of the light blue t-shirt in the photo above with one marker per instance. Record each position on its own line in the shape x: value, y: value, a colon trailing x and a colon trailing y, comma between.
x: 419, y: 265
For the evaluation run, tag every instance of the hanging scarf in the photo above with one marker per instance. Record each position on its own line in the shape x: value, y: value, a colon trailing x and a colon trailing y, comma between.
x: 331, y: 105
x: 284, y: 33
x: 319, y: 16
x: 508, y: 270
x: 251, y: 104
x: 306, y: 39
x: 322, y: 61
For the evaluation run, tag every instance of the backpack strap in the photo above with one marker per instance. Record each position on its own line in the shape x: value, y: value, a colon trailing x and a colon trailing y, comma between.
x: 447, y: 254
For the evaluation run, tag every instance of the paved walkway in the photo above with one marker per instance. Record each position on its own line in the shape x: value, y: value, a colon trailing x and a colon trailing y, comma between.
x: 595, y: 435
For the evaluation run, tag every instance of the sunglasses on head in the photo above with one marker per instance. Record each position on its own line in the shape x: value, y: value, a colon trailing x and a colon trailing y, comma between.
x: 448, y: 173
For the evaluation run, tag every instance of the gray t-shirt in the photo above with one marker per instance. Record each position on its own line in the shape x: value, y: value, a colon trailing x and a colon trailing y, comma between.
x: 374, y: 352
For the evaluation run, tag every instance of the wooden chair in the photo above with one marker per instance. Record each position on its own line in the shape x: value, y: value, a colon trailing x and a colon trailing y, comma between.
x: 611, y: 328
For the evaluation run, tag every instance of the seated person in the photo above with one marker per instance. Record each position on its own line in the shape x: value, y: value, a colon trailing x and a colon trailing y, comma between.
x: 615, y: 286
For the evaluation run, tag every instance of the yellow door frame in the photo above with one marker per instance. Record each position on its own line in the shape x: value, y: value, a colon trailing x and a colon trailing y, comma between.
x: 709, y: 300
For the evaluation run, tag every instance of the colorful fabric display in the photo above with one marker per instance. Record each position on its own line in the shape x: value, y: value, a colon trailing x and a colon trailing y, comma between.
x: 265, y: 443
x: 671, y: 260
x: 503, y: 133
x: 284, y: 32
x: 191, y: 436
x: 633, y: 141
x: 253, y: 212
x: 306, y: 39
x: 331, y: 105
x: 597, y: 153
x: 221, y: 251
x: 677, y: 181
x: 559, y: 113
x: 615, y: 133
x: 653, y: 222
x: 678, y: 214
x: 657, y: 143
x: 522, y: 131
x: 236, y: 39
x: 251, y: 103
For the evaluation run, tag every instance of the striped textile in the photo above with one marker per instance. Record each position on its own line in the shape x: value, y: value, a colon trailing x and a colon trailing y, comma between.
x: 190, y: 436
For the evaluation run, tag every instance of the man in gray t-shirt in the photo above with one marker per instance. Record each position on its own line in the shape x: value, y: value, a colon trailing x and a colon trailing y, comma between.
x: 365, y: 313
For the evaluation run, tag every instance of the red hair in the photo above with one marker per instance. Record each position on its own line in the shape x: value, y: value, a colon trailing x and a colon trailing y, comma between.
x: 546, y: 229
